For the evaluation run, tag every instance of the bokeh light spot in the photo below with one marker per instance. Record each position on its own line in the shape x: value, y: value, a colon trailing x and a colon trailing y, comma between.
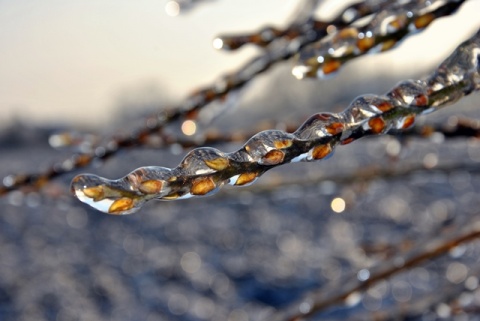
x: 363, y: 275
x: 430, y: 160
x: 191, y: 262
x: 338, y: 205
x: 189, y: 127
x: 217, y: 43
x: 172, y: 8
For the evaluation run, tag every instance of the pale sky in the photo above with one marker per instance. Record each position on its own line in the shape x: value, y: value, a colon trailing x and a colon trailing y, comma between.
x: 70, y: 61
x: 59, y: 58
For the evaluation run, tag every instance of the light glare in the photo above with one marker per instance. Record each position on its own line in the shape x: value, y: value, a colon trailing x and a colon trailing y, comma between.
x: 338, y: 205
x: 217, y: 43
x: 172, y: 8
x: 189, y: 127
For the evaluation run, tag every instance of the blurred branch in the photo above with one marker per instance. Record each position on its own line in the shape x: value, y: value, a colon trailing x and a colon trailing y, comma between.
x: 323, y: 299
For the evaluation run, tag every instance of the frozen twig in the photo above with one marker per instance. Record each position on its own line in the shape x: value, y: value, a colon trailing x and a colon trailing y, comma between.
x: 382, y: 32
x: 303, y: 31
x: 204, y: 170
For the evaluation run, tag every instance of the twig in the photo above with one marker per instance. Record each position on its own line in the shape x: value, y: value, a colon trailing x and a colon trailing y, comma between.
x: 385, y: 29
x: 154, y: 124
x: 324, y: 299
x: 311, y: 31
x: 204, y: 170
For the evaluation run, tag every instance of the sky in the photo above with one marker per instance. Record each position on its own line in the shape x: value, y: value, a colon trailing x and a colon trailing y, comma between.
x: 60, y: 58
x: 73, y: 61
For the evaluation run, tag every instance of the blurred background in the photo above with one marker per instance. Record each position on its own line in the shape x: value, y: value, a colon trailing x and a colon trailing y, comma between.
x: 253, y: 253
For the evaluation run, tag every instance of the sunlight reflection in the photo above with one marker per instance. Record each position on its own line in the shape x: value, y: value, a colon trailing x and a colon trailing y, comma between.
x: 338, y: 205
x: 172, y: 8
x: 189, y: 127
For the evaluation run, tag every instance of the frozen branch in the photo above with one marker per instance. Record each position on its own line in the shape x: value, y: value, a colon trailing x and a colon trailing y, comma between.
x: 204, y: 170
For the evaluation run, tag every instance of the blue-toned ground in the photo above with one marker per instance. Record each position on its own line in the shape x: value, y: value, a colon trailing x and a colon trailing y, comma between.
x: 248, y: 253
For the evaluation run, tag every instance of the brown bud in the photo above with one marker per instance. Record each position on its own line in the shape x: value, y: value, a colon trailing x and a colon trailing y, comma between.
x: 246, y: 178
x: 334, y: 128
x: 321, y: 151
x: 151, y: 186
x: 331, y: 66
x: 384, y: 106
x: 96, y: 192
x: 279, y: 144
x: 121, y: 205
x: 202, y: 186
x: 273, y: 157
x: 377, y: 125
x: 408, y: 121
x: 217, y: 164
x: 424, y: 20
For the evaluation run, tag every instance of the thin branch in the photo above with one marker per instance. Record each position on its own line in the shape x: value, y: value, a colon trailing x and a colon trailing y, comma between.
x: 324, y: 299
x: 383, y: 31
x: 298, y: 36
x: 204, y: 170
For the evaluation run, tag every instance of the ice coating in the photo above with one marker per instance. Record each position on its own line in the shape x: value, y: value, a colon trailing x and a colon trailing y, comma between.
x: 204, y: 170
x: 304, y: 25
x: 382, y: 32
x: 224, y: 91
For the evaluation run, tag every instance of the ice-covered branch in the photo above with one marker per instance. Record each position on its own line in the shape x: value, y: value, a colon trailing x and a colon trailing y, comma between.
x: 204, y: 170
x: 382, y: 31
x: 303, y: 31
